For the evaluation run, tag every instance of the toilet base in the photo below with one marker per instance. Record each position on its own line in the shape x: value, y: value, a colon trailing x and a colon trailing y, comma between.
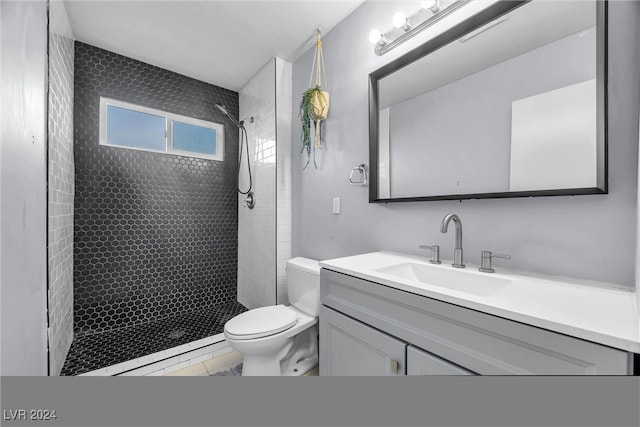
x: 268, y: 366
x: 254, y: 366
x: 298, y: 356
x: 300, y: 368
x: 303, y: 355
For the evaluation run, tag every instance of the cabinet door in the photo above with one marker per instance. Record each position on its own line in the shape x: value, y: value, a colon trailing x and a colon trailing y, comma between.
x: 351, y: 348
x: 420, y: 362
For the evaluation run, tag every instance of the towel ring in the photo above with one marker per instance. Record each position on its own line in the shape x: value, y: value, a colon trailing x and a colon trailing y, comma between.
x: 360, y: 169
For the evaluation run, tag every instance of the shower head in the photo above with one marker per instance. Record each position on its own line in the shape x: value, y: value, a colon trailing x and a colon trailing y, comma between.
x: 224, y: 111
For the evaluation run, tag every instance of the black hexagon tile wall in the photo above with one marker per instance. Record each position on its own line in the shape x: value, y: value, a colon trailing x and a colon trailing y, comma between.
x: 155, y: 235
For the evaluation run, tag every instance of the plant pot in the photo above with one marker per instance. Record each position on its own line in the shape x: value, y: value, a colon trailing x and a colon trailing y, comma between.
x: 319, y: 101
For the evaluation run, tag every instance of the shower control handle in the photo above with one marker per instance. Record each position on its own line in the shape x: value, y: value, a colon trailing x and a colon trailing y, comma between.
x: 250, y: 200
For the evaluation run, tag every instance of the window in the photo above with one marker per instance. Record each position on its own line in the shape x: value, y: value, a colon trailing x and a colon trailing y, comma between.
x: 141, y: 128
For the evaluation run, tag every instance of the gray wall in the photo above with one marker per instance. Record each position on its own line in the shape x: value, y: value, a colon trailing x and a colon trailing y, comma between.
x: 61, y: 186
x: 23, y: 84
x: 590, y: 237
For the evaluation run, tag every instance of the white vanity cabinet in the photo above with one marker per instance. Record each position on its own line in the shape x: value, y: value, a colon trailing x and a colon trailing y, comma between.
x: 367, y: 328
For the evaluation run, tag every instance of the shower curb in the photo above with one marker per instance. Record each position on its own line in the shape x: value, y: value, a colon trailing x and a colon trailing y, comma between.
x: 166, y: 361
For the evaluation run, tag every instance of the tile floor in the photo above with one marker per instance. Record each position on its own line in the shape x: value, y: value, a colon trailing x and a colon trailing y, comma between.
x: 218, y: 364
x: 94, y: 351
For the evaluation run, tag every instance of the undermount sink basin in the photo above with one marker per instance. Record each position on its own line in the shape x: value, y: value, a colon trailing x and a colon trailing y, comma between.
x: 443, y: 276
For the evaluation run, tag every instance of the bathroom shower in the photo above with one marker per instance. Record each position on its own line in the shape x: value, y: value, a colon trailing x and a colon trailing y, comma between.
x: 154, y: 254
x: 244, y: 145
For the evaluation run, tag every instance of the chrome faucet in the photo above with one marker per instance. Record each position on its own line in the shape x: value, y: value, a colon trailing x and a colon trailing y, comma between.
x: 457, y: 252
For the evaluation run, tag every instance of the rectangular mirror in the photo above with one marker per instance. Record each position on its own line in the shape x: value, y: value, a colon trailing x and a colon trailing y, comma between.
x: 509, y: 103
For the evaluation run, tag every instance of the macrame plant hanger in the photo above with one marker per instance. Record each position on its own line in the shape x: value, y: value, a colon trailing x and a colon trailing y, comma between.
x: 318, y: 98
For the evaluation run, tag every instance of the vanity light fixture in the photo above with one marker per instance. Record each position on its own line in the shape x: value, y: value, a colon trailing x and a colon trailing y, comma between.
x: 407, y: 26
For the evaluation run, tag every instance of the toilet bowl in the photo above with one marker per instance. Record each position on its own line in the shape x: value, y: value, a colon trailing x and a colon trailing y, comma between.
x: 281, y: 340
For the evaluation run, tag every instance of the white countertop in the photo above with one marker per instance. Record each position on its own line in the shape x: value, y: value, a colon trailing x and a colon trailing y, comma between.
x: 592, y: 311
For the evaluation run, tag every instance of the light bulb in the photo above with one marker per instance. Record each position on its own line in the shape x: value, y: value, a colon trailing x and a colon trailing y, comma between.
x: 375, y: 37
x: 433, y: 5
x: 399, y: 20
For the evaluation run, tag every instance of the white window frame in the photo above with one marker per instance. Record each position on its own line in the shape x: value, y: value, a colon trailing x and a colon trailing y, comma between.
x: 169, y: 119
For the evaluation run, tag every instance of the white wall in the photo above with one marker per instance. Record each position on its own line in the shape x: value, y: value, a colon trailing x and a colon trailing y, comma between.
x: 23, y: 182
x: 61, y: 186
x: 264, y: 238
x: 283, y: 175
x: 589, y: 237
x: 257, y: 226
x: 636, y: 30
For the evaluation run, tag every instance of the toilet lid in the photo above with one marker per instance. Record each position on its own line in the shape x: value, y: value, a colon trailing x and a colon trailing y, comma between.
x: 261, y: 322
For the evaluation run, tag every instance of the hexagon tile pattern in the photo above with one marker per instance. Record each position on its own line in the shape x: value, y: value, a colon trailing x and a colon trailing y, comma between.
x: 95, y: 351
x: 155, y: 235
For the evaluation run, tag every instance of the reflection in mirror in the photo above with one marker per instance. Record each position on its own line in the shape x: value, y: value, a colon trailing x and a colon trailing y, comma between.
x: 509, y: 103
x: 565, y: 151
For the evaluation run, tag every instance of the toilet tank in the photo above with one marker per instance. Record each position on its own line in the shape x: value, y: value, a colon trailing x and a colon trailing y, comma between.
x: 303, y: 285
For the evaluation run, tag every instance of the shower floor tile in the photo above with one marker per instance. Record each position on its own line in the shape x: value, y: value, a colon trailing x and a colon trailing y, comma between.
x: 98, y: 350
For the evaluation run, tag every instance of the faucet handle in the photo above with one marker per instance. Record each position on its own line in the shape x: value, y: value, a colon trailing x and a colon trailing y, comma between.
x: 435, y: 253
x: 485, y: 261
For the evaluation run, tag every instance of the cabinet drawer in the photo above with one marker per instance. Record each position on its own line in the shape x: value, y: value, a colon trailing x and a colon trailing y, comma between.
x: 423, y: 363
x: 483, y: 343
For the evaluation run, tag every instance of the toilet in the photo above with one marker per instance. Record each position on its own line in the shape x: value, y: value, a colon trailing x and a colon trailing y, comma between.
x: 281, y: 340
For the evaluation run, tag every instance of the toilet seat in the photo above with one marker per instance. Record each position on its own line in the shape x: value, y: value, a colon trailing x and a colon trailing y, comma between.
x: 260, y: 322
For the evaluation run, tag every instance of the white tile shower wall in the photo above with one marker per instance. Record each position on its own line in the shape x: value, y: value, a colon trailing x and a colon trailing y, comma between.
x: 61, y: 186
x: 264, y: 233
x: 256, y: 227
x: 284, y: 107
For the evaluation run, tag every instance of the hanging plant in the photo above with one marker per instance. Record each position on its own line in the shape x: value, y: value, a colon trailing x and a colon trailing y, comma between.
x: 314, y: 107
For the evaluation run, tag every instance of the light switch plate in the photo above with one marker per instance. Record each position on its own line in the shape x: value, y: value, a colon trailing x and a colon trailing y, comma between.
x: 336, y: 205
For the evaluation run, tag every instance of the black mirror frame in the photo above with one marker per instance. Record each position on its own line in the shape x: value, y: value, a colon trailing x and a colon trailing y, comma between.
x: 492, y: 12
